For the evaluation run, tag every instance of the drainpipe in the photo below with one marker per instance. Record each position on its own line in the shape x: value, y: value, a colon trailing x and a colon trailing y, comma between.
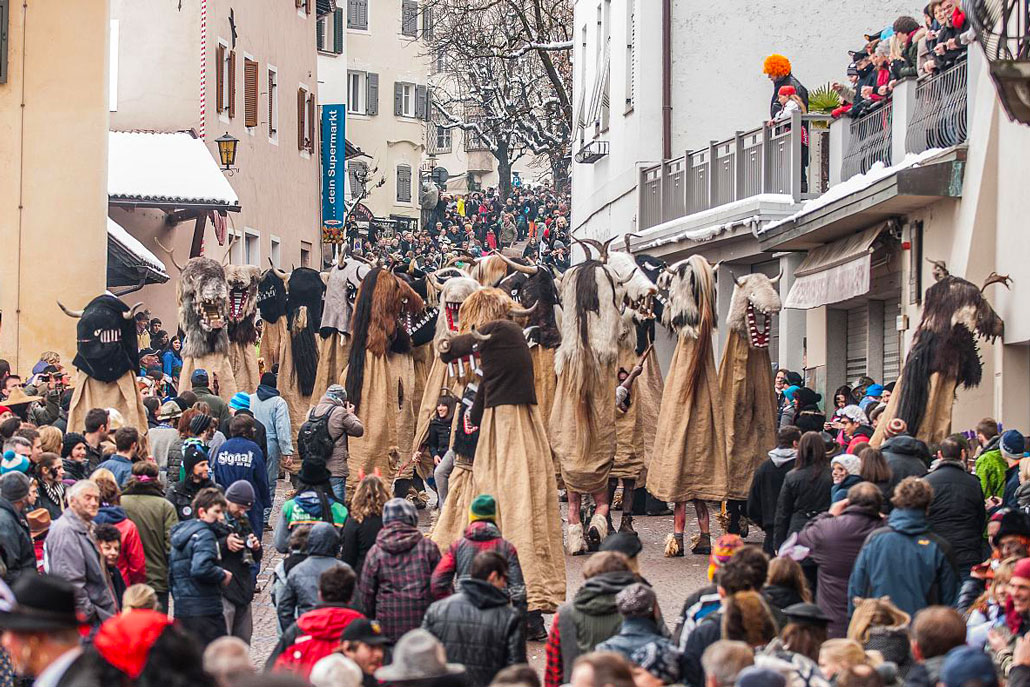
x: 666, y: 79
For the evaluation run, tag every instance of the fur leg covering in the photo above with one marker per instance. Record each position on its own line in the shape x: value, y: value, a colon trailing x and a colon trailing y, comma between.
x: 674, y: 545
x: 577, y: 547
x: 597, y: 532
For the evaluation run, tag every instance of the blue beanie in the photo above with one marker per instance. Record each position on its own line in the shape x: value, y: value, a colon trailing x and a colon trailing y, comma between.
x: 13, y: 462
x: 789, y: 392
x: 1012, y: 445
x: 240, y: 401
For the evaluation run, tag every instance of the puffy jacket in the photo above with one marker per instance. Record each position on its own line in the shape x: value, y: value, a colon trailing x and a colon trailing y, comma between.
x: 805, y: 494
x: 132, y: 561
x: 479, y: 629
x: 990, y: 468
x: 906, y: 543
x: 17, y: 550
x: 906, y: 456
x: 318, y: 631
x: 243, y: 459
x: 341, y: 425
x: 306, y: 509
x: 194, y: 570
x: 456, y: 562
x: 72, y: 554
x: 834, y: 544
x: 154, y: 517
x: 957, y: 513
x: 395, y: 582
x: 300, y: 593
x: 634, y: 634
x: 439, y: 435
x: 181, y: 494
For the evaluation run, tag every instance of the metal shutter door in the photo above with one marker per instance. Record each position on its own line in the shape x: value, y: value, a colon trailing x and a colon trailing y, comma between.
x: 891, y: 342
x: 858, y: 336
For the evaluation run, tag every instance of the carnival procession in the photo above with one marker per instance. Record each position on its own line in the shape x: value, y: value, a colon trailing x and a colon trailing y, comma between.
x: 579, y: 365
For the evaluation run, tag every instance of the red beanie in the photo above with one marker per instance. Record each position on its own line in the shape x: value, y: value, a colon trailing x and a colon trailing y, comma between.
x: 787, y: 91
x: 1022, y: 569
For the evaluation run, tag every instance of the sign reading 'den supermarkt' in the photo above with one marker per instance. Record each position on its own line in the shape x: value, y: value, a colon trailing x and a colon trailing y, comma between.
x: 333, y: 174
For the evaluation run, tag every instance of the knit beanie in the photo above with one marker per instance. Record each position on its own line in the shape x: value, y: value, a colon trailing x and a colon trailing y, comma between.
x: 14, y: 486
x: 851, y: 464
x: 895, y: 427
x: 724, y: 548
x: 14, y: 462
x: 483, y: 508
x: 635, y: 601
x: 199, y: 423
x: 240, y: 492
x: 400, y: 509
x: 1022, y: 569
x: 1012, y: 445
x: 268, y: 379
x: 194, y: 452
x: 240, y: 401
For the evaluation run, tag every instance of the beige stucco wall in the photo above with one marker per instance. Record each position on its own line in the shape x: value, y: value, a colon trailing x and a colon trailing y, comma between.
x: 53, y: 153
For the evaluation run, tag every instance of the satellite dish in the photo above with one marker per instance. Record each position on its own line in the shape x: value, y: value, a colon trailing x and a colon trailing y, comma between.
x: 440, y: 175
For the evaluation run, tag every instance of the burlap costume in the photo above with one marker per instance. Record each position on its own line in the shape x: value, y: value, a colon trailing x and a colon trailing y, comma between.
x: 122, y: 395
x: 746, y: 392
x: 332, y: 361
x: 689, y: 441
x: 273, y: 336
x: 387, y: 411
x: 936, y: 423
x: 454, y: 516
x: 222, y: 381
x: 546, y: 383
x: 582, y: 430
x: 244, y: 363
x: 635, y: 428
x: 289, y: 389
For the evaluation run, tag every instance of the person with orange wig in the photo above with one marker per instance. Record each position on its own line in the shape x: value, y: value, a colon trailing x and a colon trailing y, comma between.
x: 778, y: 69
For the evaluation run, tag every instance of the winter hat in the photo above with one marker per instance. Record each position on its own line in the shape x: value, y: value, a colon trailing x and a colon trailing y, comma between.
x: 483, y: 508
x: 199, y: 378
x: 194, y: 452
x: 199, y: 423
x: 660, y: 660
x: 852, y: 70
x: 896, y: 427
x: 635, y: 601
x: 240, y: 492
x: 13, y: 462
x: 313, y: 471
x: 14, y: 486
x: 624, y: 543
x: 753, y: 676
x: 789, y: 392
x: 787, y: 91
x: 1022, y: 569
x: 1014, y: 522
x: 69, y: 442
x: 966, y: 665
x: 874, y: 391
x: 240, y: 401
x: 400, y: 509
x: 854, y: 413
x: 725, y: 547
x: 1012, y: 445
x: 336, y: 392
x: 268, y: 379
x: 851, y: 464
x: 181, y: 402
x: 125, y: 640
x: 806, y: 397
x: 790, y: 376
x: 832, y: 447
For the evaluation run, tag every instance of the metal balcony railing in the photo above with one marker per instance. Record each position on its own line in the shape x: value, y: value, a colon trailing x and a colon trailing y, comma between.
x: 940, y: 116
x: 870, y: 140
x: 763, y: 160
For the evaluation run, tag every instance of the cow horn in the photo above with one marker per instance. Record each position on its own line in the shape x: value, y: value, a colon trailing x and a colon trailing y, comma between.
x: 523, y: 312
x: 278, y: 272
x: 132, y: 311
x: 593, y: 243
x: 627, y: 236
x: 776, y: 278
x: 737, y: 280
x: 518, y: 267
x: 604, y: 248
x: 480, y: 336
x: 171, y: 253
x: 70, y: 313
x: 325, y: 277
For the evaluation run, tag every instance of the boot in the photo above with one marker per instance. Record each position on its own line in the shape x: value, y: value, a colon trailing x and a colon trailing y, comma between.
x: 674, y: 545
x: 597, y: 532
x: 626, y: 524
x: 535, y: 630
x: 401, y: 488
x: 577, y: 547
x: 702, y: 544
x: 656, y: 507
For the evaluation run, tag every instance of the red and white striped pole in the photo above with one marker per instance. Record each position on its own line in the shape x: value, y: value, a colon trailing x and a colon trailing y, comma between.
x: 203, y: 69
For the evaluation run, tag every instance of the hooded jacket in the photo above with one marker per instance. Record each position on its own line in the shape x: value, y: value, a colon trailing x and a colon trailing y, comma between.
x: 957, y: 513
x: 990, y: 468
x: 395, y: 582
x: 805, y: 494
x: 591, y: 617
x: 906, y: 456
x: 300, y: 594
x: 73, y: 555
x: 479, y: 629
x: 242, y: 459
x: 195, y: 571
x: 132, y: 561
x: 322, y: 625
x: 342, y: 424
x: 908, y: 544
x: 456, y: 562
x: 765, y: 489
x: 306, y: 509
x: 17, y: 550
x: 634, y: 634
x: 219, y: 408
x: 154, y: 516
x: 271, y: 410
x: 181, y: 494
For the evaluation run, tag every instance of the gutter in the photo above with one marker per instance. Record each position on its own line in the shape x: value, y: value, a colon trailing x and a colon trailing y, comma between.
x: 666, y: 79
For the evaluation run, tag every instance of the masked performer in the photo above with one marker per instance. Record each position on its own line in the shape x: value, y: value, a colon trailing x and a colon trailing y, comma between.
x: 380, y: 374
x: 271, y: 303
x: 243, y: 281
x: 944, y: 354
x: 746, y: 387
x: 334, y: 336
x: 582, y: 422
x: 513, y: 458
x: 107, y: 361
x: 690, y: 445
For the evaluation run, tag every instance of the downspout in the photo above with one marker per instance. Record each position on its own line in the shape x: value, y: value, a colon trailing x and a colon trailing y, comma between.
x: 21, y: 184
x: 666, y: 79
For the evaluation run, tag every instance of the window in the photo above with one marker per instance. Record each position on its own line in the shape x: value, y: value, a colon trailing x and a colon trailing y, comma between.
x: 329, y: 33
x: 250, y: 92
x: 357, y: 92
x: 403, y: 99
x: 409, y: 18
x: 225, y: 80
x: 305, y: 254
x: 275, y: 251
x: 631, y: 53
x: 251, y: 247
x: 305, y: 120
x: 304, y: 6
x: 441, y: 60
x: 403, y: 184
x: 357, y: 14
x: 273, y: 104
x: 236, y: 251
x: 357, y: 176
x: 427, y: 22
x: 443, y: 139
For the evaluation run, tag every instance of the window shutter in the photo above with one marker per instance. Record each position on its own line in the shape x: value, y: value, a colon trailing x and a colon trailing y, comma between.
x: 271, y: 103
x: 429, y: 104
x: 301, y: 104
x: 320, y: 34
x: 311, y: 122
x: 357, y: 14
x: 409, y: 17
x: 232, y: 84
x: 420, y: 102
x: 427, y: 22
x: 338, y: 31
x: 219, y: 78
x: 250, y: 93
x: 307, y: 6
x: 300, y: 3
x: 398, y: 99
x: 372, y: 94
x: 403, y: 184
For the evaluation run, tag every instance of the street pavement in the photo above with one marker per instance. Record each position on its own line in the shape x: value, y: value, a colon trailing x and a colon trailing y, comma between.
x: 672, y: 578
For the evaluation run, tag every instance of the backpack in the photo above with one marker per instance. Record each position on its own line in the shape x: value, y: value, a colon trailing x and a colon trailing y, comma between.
x: 301, y: 656
x: 314, y: 440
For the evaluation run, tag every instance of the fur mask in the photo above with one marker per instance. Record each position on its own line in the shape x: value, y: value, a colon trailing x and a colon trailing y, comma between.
x: 342, y: 283
x: 105, y: 347
x: 242, y: 281
x: 691, y: 310
x: 271, y: 296
x: 755, y: 300
x: 203, y: 296
x: 591, y: 322
x: 636, y: 288
x: 304, y: 310
x: 535, y: 289
x: 453, y: 292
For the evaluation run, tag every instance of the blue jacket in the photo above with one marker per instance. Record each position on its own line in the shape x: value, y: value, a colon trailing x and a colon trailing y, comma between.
x: 634, y: 634
x: 240, y: 458
x: 838, y: 492
x: 906, y: 544
x: 120, y: 467
x: 193, y: 570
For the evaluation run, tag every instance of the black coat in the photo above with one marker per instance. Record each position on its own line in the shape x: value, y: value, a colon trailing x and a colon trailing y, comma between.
x: 765, y: 492
x: 907, y: 457
x: 957, y: 513
x: 181, y: 495
x: 479, y: 629
x: 260, y: 435
x: 357, y: 538
x: 788, y: 80
x: 805, y: 494
x: 439, y: 435
x: 15, y: 542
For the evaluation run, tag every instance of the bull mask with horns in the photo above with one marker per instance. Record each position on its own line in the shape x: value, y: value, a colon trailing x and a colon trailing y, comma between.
x: 105, y: 338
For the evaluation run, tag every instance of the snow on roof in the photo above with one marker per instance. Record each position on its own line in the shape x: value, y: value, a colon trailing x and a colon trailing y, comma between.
x: 855, y: 184
x: 127, y: 241
x: 702, y: 231
x: 165, y: 167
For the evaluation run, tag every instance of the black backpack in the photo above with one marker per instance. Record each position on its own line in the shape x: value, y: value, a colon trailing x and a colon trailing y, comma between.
x: 314, y: 440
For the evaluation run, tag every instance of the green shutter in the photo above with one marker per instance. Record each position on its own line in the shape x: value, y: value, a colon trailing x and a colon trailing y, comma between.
x: 320, y: 34
x: 338, y: 31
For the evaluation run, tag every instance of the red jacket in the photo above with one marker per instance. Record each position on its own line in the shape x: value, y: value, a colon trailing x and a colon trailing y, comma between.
x: 132, y: 563
x: 315, y: 635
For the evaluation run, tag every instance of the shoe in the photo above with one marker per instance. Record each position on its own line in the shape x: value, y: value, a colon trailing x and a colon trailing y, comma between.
x: 673, y: 546
x: 535, y: 631
x: 626, y: 524
x: 577, y: 547
x: 745, y: 527
x: 597, y: 532
x: 701, y: 544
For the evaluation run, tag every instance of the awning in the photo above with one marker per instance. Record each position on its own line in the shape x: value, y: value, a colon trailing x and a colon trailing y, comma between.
x: 834, y: 273
x: 350, y: 150
x: 172, y: 171
x: 129, y: 263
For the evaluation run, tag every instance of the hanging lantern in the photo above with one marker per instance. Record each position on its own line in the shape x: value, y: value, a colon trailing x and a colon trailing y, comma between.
x: 1003, y: 30
x: 227, y: 150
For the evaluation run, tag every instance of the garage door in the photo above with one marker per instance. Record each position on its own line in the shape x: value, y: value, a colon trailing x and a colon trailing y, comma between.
x: 858, y: 336
x: 891, y: 342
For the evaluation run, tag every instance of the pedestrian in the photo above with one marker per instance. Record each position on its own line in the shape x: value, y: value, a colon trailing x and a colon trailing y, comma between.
x: 990, y: 466
x: 957, y: 512
x: 856, y: 428
x: 132, y: 560
x: 272, y: 411
x: 199, y: 382
x: 636, y: 603
x: 109, y: 541
x: 195, y: 465
x: 806, y: 488
x: 906, y: 456
x: 936, y: 630
x: 145, y: 505
x: 965, y: 666
x: 50, y: 478
x: 336, y: 670
x: 227, y: 660
x: 707, y: 599
x: 799, y: 643
x: 241, y: 458
x: 300, y: 594
x: 39, y: 526
x: 395, y: 581
x: 363, y: 522
x: 478, y: 626
x: 364, y: 643
x: 1013, y: 447
x: 73, y: 456
x: 312, y: 502
x: 340, y: 422
x: 767, y: 482
x: 239, y: 550
x: 95, y: 424
x: 906, y: 543
x: 239, y: 405
x: 785, y: 586
x: 72, y: 554
x: 196, y: 578
x: 419, y: 660
x: 875, y: 469
x: 845, y: 470
x: 127, y: 446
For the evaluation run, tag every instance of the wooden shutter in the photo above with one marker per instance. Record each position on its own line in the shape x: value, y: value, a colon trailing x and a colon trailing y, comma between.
x: 409, y: 17
x: 357, y: 14
x: 372, y: 94
x: 299, y: 3
x: 320, y: 34
x: 301, y: 108
x: 398, y: 99
x: 250, y: 93
x: 219, y: 78
x: 429, y: 104
x: 311, y: 122
x: 420, y: 102
x: 403, y: 184
x: 338, y: 31
x: 427, y: 22
x: 232, y: 84
x: 307, y: 5
x: 272, y: 88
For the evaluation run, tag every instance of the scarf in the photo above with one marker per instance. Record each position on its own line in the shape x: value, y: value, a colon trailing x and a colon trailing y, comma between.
x: 54, y: 492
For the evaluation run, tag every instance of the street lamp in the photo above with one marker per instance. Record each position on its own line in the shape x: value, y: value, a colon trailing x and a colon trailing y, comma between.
x: 1003, y: 31
x: 227, y: 151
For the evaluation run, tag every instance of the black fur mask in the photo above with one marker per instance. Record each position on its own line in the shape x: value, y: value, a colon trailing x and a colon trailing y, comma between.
x: 305, y: 296
x: 105, y: 340
x: 271, y: 298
